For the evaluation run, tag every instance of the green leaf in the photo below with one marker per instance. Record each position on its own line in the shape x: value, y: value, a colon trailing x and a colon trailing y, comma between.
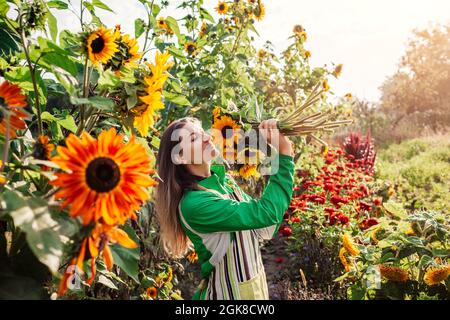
x: 4, y: 8
x: 173, y: 25
x: 101, y: 5
x: 425, y: 261
x: 139, y: 27
x: 108, y: 79
x: 33, y: 217
x: 205, y: 14
x: 395, y: 209
x: 127, y: 259
x: 176, y: 98
x: 107, y: 282
x: 52, y: 26
x: 98, y: 102
x: 58, y: 4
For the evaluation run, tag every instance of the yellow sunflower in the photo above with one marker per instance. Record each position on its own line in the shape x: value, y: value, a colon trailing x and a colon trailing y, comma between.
x: 203, y: 29
x: 395, y: 274
x: 104, y: 179
x: 436, y: 275
x: 260, y: 11
x: 250, y: 156
x: 348, y: 96
x: 146, y: 113
x: 262, y: 54
x: 101, y: 45
x: 2, y: 178
x: 191, y: 48
x: 225, y: 129
x: 133, y: 49
x: 248, y: 171
x: 216, y: 113
x: 343, y: 258
x: 325, y: 85
x: 222, y: 8
x: 307, y: 54
x: 12, y: 102
x: 162, y: 23
x: 192, y: 257
x: 300, y: 32
x: 348, y: 244
x: 338, y: 70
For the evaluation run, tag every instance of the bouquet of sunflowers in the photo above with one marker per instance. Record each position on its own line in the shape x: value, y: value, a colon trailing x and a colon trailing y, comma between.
x: 232, y: 128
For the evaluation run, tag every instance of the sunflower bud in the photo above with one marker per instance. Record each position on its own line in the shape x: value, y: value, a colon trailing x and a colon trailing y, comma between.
x: 34, y: 15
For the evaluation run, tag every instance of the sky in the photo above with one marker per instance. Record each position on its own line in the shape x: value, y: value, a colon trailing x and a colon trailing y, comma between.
x: 368, y: 37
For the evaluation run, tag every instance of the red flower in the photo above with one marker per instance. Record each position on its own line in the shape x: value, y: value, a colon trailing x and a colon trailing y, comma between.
x: 343, y: 219
x: 317, y: 199
x: 367, y: 223
x: 286, y: 231
x: 336, y: 200
x: 377, y: 201
x: 330, y: 187
x: 279, y: 260
x: 329, y: 160
x: 329, y: 210
x: 296, y: 219
x: 364, y: 189
x: 340, y: 168
x: 365, y: 206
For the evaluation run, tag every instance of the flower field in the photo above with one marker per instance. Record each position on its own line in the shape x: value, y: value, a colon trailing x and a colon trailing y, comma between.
x: 81, y: 115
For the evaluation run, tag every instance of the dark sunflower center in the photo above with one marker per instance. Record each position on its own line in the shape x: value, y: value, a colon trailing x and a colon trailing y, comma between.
x: 227, y: 132
x: 191, y: 48
x: 98, y: 45
x: 2, y: 102
x: 221, y: 7
x: 40, y: 151
x: 102, y: 174
x: 161, y: 22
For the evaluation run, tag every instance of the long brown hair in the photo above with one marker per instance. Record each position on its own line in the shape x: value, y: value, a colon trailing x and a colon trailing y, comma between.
x: 175, y: 178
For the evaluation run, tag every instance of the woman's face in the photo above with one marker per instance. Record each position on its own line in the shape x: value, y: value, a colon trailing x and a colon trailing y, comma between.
x: 196, y: 146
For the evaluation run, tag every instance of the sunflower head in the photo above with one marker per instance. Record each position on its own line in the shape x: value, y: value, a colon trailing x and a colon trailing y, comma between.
x: 435, y: 275
x: 349, y: 246
x: 225, y: 129
x: 338, y: 70
x: 392, y: 273
x: 343, y: 257
x: 42, y: 148
x: 191, y: 48
x: 34, y: 15
x: 259, y: 11
x: 104, y: 179
x: 152, y: 292
x: 307, y: 54
x: 126, y: 55
x: 222, y: 7
x: 250, y: 156
x: 12, y: 115
x: 262, y: 54
x: 101, y: 45
x: 248, y: 171
x: 203, y: 29
x: 325, y: 85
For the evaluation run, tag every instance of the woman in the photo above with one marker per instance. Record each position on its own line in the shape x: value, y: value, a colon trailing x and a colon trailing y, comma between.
x: 200, y: 204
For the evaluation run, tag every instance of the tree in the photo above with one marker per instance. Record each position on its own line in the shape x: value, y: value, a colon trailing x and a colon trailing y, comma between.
x: 419, y: 92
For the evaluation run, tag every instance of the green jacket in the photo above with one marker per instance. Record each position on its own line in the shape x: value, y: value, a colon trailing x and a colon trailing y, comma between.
x: 209, y: 219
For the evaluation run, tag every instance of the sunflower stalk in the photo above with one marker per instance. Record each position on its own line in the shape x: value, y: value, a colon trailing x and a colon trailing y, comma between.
x: 295, y: 122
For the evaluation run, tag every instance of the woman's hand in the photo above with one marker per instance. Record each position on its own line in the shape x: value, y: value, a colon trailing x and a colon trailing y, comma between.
x: 269, y: 131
